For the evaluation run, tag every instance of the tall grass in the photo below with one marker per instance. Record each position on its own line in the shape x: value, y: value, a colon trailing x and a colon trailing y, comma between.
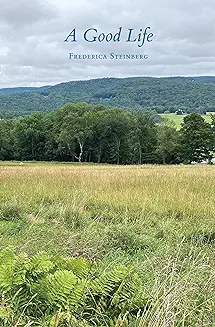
x: 160, y: 218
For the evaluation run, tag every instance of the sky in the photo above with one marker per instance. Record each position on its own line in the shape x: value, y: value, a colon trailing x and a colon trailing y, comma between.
x: 32, y: 51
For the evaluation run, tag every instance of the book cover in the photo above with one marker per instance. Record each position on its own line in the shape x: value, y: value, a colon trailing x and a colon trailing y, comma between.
x: 107, y: 152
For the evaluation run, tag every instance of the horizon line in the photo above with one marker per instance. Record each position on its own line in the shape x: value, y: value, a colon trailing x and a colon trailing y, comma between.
x: 98, y: 78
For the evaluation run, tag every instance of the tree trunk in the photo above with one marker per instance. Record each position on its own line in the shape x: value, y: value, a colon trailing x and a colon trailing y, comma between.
x: 81, y: 151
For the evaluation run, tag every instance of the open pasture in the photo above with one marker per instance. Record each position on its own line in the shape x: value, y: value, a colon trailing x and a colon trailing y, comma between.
x: 159, y: 218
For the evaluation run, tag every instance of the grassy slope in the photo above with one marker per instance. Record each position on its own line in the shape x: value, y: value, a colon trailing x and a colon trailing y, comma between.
x: 160, y: 218
x: 76, y: 198
x: 140, y: 214
x: 178, y: 119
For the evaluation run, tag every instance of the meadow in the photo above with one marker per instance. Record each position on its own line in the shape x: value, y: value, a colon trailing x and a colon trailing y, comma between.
x: 178, y: 119
x: 159, y: 219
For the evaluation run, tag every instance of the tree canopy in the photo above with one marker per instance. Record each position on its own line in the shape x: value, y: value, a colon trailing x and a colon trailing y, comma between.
x: 94, y: 133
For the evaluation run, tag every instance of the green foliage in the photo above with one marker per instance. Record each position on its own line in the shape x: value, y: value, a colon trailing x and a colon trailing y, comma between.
x: 161, y: 94
x: 65, y: 291
x: 145, y: 216
x: 92, y: 133
x: 145, y: 139
x: 29, y: 136
x: 167, y: 142
x: 5, y: 139
x: 197, y: 139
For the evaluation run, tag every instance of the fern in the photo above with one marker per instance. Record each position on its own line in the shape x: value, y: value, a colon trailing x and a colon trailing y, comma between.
x: 107, y: 282
x: 42, y: 286
x: 118, y: 290
x: 80, y: 267
x: 40, y: 264
x: 55, y: 288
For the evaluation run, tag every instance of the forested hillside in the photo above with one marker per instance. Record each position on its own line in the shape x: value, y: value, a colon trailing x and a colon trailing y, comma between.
x: 192, y: 94
x: 12, y: 90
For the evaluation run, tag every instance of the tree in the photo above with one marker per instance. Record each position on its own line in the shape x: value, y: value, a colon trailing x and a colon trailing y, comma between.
x: 197, y: 140
x: 76, y: 129
x: 101, y: 134
x: 6, y: 141
x: 146, y: 136
x: 93, y: 133
x: 29, y: 133
x: 167, y: 142
x: 117, y: 132
x: 51, y: 150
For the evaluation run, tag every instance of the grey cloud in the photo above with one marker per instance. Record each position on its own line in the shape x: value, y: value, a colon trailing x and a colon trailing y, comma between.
x: 19, y: 13
x: 32, y: 51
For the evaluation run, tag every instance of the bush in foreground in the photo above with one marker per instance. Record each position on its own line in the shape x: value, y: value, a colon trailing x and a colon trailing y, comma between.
x: 55, y: 291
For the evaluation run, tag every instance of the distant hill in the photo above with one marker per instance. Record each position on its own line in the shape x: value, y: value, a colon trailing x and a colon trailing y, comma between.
x: 204, y: 79
x: 197, y: 79
x: 13, y: 90
x: 161, y: 94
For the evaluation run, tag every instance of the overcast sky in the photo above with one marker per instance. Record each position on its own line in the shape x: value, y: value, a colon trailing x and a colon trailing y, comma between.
x: 32, y: 51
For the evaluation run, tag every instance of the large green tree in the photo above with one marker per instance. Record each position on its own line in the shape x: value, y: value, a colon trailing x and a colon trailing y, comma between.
x: 167, y: 142
x: 197, y: 140
x: 6, y: 140
x: 146, y: 136
x: 76, y: 128
x: 29, y: 133
x: 116, y: 135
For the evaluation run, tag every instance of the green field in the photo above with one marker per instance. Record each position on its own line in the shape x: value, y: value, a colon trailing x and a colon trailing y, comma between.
x: 178, y: 119
x: 159, y: 219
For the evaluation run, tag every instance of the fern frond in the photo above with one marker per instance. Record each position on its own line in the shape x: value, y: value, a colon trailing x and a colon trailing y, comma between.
x: 79, y: 266
x: 40, y: 264
x: 107, y: 282
x: 55, y: 288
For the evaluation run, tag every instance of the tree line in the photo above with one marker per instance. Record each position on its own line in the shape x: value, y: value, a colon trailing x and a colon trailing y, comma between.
x: 93, y: 133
